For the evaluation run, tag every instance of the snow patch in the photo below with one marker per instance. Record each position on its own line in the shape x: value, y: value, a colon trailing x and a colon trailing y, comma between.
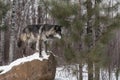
x: 35, y: 56
x: 70, y: 72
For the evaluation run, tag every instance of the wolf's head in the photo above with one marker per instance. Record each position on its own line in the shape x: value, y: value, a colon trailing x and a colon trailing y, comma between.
x: 54, y: 31
x: 57, y: 29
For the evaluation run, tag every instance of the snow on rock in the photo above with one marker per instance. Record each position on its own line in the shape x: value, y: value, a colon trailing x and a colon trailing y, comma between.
x: 35, y: 56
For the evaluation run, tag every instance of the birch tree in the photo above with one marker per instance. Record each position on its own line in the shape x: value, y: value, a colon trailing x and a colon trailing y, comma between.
x: 12, y: 31
x: 3, y: 10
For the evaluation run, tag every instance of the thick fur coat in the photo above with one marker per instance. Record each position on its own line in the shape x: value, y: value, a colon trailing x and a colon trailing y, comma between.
x: 35, y: 35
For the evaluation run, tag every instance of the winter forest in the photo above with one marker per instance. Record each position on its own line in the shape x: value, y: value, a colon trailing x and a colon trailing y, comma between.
x: 90, y: 35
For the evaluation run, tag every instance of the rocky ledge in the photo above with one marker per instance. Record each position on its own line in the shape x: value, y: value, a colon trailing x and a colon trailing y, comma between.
x: 32, y: 70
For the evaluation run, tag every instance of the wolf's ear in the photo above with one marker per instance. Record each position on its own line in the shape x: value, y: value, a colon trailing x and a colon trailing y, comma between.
x: 57, y: 27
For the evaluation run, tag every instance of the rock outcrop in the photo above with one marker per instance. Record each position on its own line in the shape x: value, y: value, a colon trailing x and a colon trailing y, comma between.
x: 33, y: 70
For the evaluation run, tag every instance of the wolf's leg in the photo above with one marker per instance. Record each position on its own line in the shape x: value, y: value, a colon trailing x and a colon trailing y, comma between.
x: 24, y: 50
x: 19, y: 43
x: 33, y: 45
x: 37, y: 45
x: 40, y: 48
x: 45, y: 46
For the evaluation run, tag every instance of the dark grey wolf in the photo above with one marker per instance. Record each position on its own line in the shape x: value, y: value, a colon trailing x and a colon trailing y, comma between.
x: 36, y: 35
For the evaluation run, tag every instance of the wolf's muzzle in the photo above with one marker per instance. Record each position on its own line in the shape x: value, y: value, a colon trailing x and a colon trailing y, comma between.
x: 58, y: 36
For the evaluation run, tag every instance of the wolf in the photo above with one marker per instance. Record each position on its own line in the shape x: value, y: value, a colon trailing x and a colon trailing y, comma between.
x: 36, y: 35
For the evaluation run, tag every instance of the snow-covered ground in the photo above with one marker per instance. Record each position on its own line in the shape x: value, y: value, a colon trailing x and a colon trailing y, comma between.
x: 69, y: 72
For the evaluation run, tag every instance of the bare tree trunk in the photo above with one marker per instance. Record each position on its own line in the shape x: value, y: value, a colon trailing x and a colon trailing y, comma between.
x: 12, y: 46
x: 80, y: 72
x: 2, y: 48
x: 117, y: 74
x: 39, y: 15
x: 109, y: 72
x: 90, y: 35
x: 2, y: 33
x: 82, y: 42
x: 2, y: 44
x: 12, y: 35
x: 90, y: 70
x: 97, y: 72
x: 6, y: 47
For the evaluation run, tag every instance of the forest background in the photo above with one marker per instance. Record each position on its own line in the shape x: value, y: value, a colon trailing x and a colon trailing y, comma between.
x: 91, y: 33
